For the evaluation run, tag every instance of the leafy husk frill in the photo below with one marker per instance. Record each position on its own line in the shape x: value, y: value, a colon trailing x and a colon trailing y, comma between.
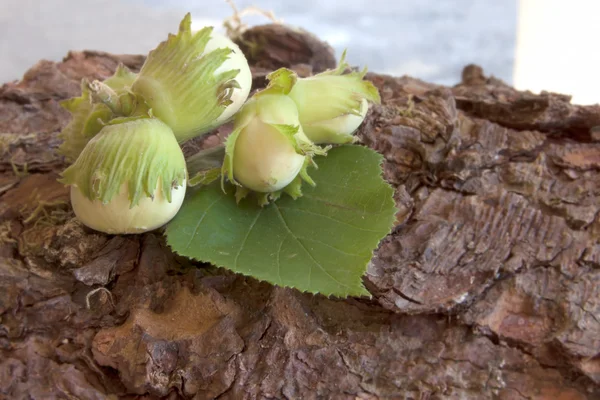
x: 179, y: 82
x: 139, y: 153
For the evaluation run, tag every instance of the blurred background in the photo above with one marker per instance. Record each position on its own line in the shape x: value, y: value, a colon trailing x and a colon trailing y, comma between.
x: 533, y: 44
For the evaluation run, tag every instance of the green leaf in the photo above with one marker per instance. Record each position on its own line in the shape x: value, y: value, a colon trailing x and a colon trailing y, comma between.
x: 319, y: 243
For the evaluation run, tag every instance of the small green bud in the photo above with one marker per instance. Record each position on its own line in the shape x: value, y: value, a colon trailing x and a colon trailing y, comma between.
x: 130, y: 178
x: 89, y: 117
x: 194, y: 81
x: 267, y: 152
x: 331, y: 105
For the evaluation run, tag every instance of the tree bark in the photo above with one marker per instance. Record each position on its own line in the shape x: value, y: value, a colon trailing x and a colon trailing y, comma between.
x: 488, y: 286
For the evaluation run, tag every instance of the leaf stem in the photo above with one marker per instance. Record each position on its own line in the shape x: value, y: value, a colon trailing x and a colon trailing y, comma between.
x: 102, y: 93
x: 206, y: 159
x: 205, y: 166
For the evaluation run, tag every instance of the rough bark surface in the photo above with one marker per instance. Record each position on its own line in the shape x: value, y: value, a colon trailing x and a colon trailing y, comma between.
x: 275, y: 46
x: 488, y: 287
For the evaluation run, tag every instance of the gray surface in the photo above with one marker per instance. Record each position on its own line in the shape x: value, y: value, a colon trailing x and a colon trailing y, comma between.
x: 429, y: 39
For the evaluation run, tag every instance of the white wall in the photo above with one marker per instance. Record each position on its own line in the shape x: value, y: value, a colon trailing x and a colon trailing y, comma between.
x: 428, y: 39
x: 558, y: 48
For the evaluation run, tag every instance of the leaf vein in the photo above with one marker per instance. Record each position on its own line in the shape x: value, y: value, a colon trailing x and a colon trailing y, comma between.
x: 343, y: 207
x: 330, y: 246
x: 278, y: 258
x: 187, y: 247
x: 306, y: 250
x: 331, y: 218
x: 345, y: 187
x: 235, y: 261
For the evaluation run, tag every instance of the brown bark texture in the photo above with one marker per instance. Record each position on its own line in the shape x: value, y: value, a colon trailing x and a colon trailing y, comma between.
x: 487, y: 288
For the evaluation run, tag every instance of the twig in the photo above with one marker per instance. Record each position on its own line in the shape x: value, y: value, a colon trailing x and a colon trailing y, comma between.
x: 234, y: 25
x: 93, y: 292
